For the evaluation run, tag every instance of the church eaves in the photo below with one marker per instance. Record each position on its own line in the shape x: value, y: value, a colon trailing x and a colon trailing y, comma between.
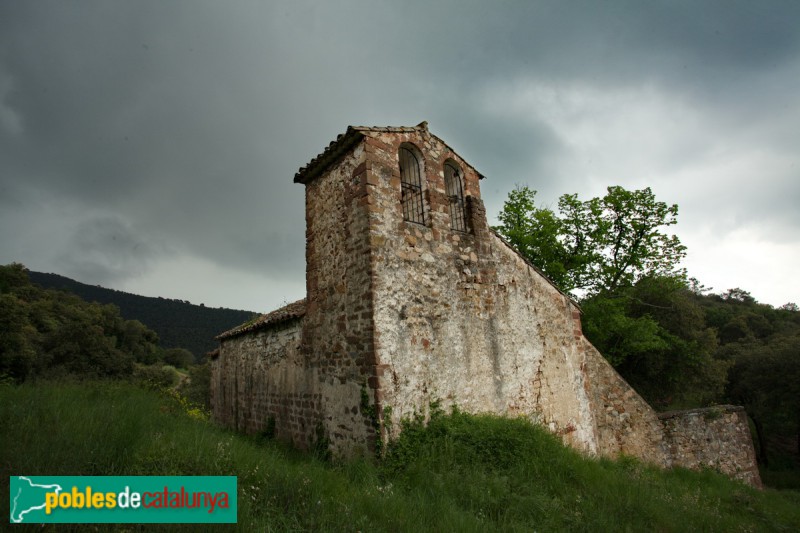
x: 345, y: 141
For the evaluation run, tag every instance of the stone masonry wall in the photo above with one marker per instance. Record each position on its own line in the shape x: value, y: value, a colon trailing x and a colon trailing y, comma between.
x: 461, y: 317
x: 715, y: 437
x: 338, y: 334
x: 626, y: 424
x: 400, y: 314
x: 261, y: 380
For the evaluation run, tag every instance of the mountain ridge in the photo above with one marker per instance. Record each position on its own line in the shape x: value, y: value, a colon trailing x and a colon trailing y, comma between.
x: 178, y: 323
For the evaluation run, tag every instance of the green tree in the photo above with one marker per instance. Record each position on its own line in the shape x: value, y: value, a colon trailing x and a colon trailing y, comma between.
x: 535, y: 233
x: 141, y: 342
x: 13, y: 276
x: 765, y: 379
x: 638, y: 308
x: 53, y: 333
x: 17, y: 339
x: 197, y: 389
x: 655, y: 335
x: 763, y: 346
x: 596, y: 245
x: 178, y: 357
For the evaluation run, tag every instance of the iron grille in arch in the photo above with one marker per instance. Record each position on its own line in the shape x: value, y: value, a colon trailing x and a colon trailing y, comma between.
x: 455, y: 193
x: 411, y: 185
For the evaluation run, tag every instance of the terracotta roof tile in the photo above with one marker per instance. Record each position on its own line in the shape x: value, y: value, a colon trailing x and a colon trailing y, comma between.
x: 347, y: 140
x: 287, y: 312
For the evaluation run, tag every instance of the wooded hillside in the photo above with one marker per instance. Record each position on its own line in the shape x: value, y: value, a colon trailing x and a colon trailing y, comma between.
x: 179, y: 324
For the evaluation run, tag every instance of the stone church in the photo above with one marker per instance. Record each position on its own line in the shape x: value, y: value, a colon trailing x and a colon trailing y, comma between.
x: 412, y: 298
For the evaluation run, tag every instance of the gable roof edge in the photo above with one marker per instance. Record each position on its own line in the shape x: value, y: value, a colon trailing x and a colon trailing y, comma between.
x: 293, y: 311
x: 334, y: 150
x: 352, y: 136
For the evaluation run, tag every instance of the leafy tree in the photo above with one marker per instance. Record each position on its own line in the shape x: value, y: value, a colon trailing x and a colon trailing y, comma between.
x: 655, y: 336
x: 738, y: 295
x: 637, y: 306
x: 535, y: 233
x: 139, y: 341
x: 762, y: 345
x: 17, y: 339
x: 13, y: 276
x: 765, y: 378
x: 597, y: 245
x: 178, y: 357
x: 157, y: 376
x: 53, y: 333
x: 678, y: 346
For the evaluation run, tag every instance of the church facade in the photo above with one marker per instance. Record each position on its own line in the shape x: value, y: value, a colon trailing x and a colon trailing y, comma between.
x: 412, y: 298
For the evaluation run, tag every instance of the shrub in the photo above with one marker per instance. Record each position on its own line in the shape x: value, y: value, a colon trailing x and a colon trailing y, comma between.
x: 155, y: 376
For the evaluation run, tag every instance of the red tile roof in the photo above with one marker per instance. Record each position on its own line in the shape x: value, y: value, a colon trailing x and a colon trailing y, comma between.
x: 287, y: 312
x: 345, y: 141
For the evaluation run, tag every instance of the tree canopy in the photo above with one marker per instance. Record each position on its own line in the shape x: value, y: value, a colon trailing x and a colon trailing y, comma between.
x: 178, y: 323
x: 614, y: 251
x: 655, y: 334
x: 600, y: 244
x: 53, y: 333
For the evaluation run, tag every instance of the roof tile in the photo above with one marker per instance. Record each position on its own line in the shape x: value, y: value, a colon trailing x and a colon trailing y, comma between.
x: 287, y: 312
x: 348, y: 139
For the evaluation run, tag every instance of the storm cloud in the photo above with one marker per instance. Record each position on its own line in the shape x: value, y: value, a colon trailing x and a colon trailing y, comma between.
x: 150, y: 146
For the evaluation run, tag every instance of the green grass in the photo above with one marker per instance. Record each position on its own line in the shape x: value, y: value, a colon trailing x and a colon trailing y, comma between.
x: 462, y: 473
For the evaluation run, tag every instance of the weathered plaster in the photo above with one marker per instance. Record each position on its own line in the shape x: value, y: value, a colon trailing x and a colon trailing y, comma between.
x: 401, y: 314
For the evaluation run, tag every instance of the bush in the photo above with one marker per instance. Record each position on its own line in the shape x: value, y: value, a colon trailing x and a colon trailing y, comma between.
x: 197, y: 389
x: 178, y: 357
x: 155, y: 376
x: 53, y: 334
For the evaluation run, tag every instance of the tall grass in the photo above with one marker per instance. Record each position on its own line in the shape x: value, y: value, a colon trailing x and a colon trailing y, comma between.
x: 461, y: 473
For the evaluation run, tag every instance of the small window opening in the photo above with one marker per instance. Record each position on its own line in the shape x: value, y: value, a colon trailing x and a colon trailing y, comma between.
x: 411, y: 185
x: 455, y: 193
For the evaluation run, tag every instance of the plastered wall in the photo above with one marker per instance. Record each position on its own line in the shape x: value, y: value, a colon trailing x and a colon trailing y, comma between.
x: 463, y: 318
x: 400, y: 314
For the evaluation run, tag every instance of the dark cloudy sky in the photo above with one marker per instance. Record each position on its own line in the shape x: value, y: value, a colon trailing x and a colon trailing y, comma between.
x: 150, y: 146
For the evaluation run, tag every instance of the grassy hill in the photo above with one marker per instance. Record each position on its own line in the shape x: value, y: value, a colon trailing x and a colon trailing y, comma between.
x: 462, y: 473
x: 179, y: 324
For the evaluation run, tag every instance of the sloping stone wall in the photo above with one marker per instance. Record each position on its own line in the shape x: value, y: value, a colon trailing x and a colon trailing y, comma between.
x: 626, y: 424
x: 463, y: 318
x: 714, y: 437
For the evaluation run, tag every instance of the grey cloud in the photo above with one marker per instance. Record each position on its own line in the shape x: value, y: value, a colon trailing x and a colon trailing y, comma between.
x: 108, y: 250
x: 187, y: 120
